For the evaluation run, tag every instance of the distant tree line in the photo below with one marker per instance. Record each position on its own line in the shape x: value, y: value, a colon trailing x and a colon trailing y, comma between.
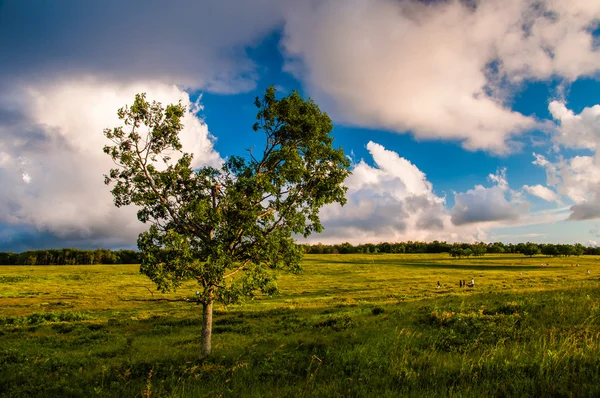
x: 70, y: 257
x: 454, y: 249
x: 106, y: 256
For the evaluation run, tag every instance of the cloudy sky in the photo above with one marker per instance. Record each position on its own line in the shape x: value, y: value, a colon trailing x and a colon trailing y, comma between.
x: 465, y: 119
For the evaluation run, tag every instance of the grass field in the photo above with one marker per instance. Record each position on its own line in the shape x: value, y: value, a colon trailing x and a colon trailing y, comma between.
x: 349, y: 326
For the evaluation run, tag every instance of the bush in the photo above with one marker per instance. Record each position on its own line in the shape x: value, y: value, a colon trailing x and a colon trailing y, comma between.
x: 336, y: 323
x: 377, y: 311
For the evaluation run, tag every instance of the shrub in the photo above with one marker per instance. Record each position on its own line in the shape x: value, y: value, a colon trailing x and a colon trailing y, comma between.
x: 336, y: 323
x: 377, y: 311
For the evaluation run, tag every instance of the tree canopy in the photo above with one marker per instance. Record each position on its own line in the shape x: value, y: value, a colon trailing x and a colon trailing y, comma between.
x: 229, y: 227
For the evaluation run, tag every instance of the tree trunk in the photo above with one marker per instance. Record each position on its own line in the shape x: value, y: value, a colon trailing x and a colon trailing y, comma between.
x: 207, y: 312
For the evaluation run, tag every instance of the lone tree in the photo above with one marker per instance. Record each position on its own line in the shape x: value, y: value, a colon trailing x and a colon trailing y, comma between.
x: 226, y: 228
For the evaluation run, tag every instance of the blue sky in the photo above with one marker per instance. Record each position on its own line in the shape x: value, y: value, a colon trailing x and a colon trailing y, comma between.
x: 463, y: 123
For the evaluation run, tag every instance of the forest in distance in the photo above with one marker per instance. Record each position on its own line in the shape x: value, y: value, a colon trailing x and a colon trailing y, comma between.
x: 72, y: 256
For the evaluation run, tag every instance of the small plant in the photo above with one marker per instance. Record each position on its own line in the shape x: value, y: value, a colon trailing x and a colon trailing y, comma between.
x: 336, y: 323
x: 377, y: 311
x: 313, y: 369
x: 148, y: 390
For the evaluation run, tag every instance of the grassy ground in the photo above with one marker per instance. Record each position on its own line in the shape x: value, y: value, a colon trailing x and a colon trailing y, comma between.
x: 350, y: 325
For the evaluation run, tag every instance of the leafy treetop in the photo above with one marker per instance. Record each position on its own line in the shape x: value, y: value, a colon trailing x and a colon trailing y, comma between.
x: 211, y: 224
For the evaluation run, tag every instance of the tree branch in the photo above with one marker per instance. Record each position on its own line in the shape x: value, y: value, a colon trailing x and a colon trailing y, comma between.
x: 235, y: 271
x: 152, y: 183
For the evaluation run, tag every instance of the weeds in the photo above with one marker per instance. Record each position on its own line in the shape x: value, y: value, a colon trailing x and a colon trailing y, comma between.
x: 147, y: 391
x: 336, y: 322
x: 44, y: 317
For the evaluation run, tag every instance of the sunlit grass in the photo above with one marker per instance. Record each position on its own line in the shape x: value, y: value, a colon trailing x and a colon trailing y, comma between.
x: 350, y: 325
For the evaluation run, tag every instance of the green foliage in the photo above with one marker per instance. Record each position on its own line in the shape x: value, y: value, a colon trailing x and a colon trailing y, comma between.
x: 460, y: 252
x: 69, y: 257
x: 531, y: 249
x: 455, y: 250
x: 209, y: 224
x: 105, y: 256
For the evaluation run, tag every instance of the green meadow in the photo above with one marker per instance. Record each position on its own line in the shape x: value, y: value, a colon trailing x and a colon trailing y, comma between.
x: 348, y: 326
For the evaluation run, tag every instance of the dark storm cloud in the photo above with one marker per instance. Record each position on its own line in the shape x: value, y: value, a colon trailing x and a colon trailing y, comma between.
x: 200, y: 44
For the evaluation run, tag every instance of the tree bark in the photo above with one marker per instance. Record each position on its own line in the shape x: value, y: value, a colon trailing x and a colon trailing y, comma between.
x: 207, y: 313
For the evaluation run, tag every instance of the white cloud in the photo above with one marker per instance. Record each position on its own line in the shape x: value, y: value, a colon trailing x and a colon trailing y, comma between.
x: 53, y: 181
x: 580, y: 131
x: 4, y: 158
x: 496, y: 204
x: 577, y: 178
x: 483, y: 205
x: 540, y: 160
x: 499, y: 178
x: 440, y: 69
x: 541, y: 192
x: 385, y: 202
x: 394, y: 201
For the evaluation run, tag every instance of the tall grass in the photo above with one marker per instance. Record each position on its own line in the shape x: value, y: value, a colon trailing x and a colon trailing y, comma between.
x: 349, y: 326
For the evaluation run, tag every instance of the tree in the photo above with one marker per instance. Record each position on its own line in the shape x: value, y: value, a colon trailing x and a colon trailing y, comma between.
x: 578, y: 249
x: 550, y: 250
x: 530, y: 249
x: 226, y: 228
x: 496, y: 247
x: 459, y: 252
x: 479, y: 249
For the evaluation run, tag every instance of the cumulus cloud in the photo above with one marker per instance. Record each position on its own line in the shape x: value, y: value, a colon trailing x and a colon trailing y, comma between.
x: 438, y: 69
x: 392, y: 200
x: 386, y: 200
x: 541, y: 192
x: 580, y: 131
x: 578, y: 177
x: 484, y: 205
x: 52, y: 173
